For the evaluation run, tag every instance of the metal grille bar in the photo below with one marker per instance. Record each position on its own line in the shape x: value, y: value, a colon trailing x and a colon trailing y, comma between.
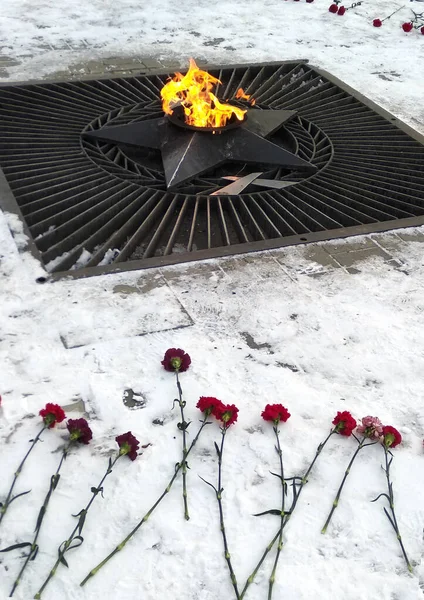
x: 93, y: 207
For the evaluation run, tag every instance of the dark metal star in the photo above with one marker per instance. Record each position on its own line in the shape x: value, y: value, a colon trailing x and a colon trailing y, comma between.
x: 187, y: 154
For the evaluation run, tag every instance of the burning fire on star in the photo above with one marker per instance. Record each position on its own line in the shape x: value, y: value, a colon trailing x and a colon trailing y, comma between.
x: 193, y: 91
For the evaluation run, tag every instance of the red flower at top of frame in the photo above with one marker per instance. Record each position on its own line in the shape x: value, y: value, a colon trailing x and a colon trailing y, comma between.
x: 422, y: 30
x: 344, y: 423
x: 309, y: 1
x: 407, y: 27
x: 79, y: 431
x: 210, y: 406
x: 128, y: 444
x: 275, y: 413
x: 333, y: 8
x: 341, y: 11
x: 227, y: 413
x: 391, y: 436
x: 377, y: 22
x: 52, y: 414
x: 176, y: 359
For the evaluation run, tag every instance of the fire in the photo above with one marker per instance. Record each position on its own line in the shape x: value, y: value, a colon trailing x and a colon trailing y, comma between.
x: 193, y: 91
x: 240, y: 95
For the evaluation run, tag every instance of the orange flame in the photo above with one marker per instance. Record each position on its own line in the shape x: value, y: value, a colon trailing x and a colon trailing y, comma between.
x: 194, y: 92
x: 240, y: 95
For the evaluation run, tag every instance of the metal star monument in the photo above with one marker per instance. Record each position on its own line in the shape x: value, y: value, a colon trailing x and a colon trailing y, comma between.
x: 187, y: 153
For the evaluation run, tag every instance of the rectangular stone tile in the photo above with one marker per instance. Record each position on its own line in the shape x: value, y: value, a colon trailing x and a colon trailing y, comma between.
x: 350, y: 259
x: 389, y: 241
x: 348, y: 245
x: 151, y: 63
x: 413, y: 236
x: 129, y: 312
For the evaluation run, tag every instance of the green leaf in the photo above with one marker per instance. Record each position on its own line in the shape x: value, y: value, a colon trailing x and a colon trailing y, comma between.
x: 18, y: 496
x: 34, y: 553
x: 54, y: 481
x: 16, y: 546
x: 83, y: 514
x: 212, y: 486
x: 40, y: 517
x: 273, y: 511
x: 379, y: 496
x: 217, y: 450
x: 277, y: 475
x: 63, y: 560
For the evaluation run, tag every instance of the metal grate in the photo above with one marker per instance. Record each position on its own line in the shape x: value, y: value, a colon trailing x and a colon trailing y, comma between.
x: 92, y: 207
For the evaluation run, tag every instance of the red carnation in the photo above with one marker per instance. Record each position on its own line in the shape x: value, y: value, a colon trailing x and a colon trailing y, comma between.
x: 210, y: 406
x: 391, y: 437
x: 407, y: 27
x: 422, y: 30
x: 128, y: 445
x: 275, y: 413
x: 309, y: 1
x: 227, y: 413
x: 333, y: 8
x: 176, y: 359
x: 344, y: 423
x: 79, y: 431
x: 341, y: 11
x: 377, y: 23
x: 52, y: 414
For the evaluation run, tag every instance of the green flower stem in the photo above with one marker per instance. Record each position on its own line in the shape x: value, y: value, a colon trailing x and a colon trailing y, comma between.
x: 184, y: 461
x: 283, y: 497
x: 390, y: 497
x: 149, y: 512
x: 9, y: 498
x: 34, y: 546
x: 287, y: 516
x: 337, y: 498
x: 221, y: 516
x: 65, y: 546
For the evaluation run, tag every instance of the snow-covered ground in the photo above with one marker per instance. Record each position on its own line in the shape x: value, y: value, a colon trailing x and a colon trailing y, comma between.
x: 328, y: 343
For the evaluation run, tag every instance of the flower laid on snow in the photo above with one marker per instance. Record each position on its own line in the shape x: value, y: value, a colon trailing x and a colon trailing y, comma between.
x: 275, y: 413
x: 379, y: 22
x: 407, y: 27
x: 371, y: 427
x: 50, y: 414
x: 333, y: 8
x: 345, y: 423
x: 175, y: 471
x: 341, y: 11
x: 209, y: 405
x: 176, y: 359
x: 128, y: 445
x: 390, y: 439
x: 227, y: 414
x: 79, y: 432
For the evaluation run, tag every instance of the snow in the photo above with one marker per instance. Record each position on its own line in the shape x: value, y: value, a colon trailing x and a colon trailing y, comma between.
x: 322, y: 341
